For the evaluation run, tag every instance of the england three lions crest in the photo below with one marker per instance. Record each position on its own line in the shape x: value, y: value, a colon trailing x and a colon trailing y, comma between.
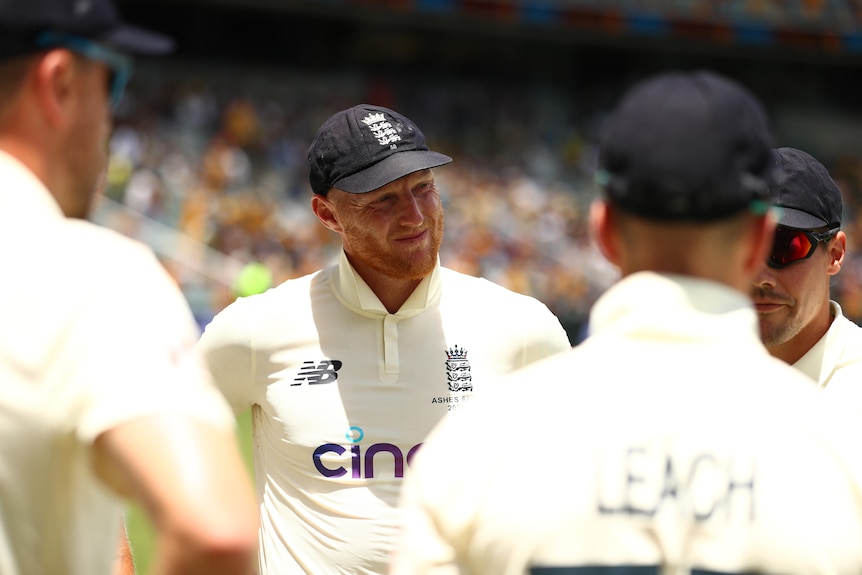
x: 458, y: 370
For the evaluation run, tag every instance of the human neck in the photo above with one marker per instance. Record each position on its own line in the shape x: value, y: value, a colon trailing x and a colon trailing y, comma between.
x: 391, y: 291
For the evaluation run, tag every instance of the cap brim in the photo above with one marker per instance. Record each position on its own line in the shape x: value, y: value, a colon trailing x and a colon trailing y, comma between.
x: 134, y: 40
x: 793, y: 218
x: 390, y: 169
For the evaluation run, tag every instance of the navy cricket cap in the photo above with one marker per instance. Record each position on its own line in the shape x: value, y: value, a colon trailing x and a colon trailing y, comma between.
x: 21, y: 21
x: 806, y: 194
x: 366, y: 147
x: 687, y: 147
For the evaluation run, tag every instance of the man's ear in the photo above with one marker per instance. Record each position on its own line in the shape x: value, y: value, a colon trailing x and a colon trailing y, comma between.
x: 53, y: 85
x: 324, y: 209
x: 603, y: 231
x: 837, y: 250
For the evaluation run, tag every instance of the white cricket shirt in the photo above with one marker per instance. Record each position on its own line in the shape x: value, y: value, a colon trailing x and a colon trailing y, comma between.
x: 835, y: 361
x: 94, y: 333
x: 343, y: 394
x: 669, y: 442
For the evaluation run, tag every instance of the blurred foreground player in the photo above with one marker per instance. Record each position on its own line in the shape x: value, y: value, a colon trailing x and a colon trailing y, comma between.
x: 670, y: 441
x: 103, y: 396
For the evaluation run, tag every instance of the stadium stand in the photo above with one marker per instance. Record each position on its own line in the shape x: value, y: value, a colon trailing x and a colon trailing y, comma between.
x: 208, y: 158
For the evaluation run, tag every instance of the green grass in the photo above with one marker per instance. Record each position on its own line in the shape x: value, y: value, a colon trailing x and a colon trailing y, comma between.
x: 141, y: 535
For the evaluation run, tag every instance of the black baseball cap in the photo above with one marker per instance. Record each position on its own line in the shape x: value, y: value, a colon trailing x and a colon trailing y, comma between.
x: 366, y: 147
x: 806, y: 194
x: 686, y: 146
x: 22, y: 21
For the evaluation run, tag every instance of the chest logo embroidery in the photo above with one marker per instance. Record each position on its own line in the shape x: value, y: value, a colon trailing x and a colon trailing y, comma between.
x: 313, y: 373
x: 458, y: 370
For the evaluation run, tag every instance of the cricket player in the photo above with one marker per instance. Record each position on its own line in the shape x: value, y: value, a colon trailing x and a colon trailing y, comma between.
x: 103, y: 398
x: 670, y: 441
x: 347, y: 369
x: 798, y: 322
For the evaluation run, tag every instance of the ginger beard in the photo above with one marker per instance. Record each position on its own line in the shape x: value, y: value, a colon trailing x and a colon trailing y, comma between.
x: 394, y: 257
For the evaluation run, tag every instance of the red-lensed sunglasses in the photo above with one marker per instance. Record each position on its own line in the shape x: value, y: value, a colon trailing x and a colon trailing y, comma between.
x: 792, y: 245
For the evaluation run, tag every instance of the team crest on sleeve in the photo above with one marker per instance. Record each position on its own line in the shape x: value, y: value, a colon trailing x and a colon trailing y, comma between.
x: 458, y: 369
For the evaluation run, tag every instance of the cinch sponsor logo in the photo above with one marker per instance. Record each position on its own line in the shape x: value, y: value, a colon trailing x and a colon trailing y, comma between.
x: 361, y: 461
x: 324, y: 372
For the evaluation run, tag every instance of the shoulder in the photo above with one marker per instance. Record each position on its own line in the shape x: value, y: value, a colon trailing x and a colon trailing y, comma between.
x: 105, y: 269
x: 845, y: 334
x: 102, y: 252
x: 850, y: 329
x: 292, y: 295
x: 475, y: 291
x: 522, y: 319
x: 286, y: 304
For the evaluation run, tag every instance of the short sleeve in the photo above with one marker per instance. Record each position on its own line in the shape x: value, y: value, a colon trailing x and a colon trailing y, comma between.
x: 132, y: 348
x: 542, y: 331
x: 227, y: 348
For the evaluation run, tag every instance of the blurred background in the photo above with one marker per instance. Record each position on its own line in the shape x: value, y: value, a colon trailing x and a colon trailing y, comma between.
x: 208, y: 158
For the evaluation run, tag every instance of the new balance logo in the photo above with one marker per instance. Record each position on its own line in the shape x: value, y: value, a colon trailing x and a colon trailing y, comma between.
x: 324, y: 372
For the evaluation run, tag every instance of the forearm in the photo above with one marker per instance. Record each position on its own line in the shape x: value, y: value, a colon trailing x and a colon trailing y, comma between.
x: 190, y: 480
x: 181, y: 556
x: 124, y: 562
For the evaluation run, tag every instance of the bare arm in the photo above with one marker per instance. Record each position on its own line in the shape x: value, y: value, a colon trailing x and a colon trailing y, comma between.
x: 124, y: 563
x: 191, y: 481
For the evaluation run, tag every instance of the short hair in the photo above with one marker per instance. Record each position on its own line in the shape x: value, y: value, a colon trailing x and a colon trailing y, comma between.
x: 13, y: 71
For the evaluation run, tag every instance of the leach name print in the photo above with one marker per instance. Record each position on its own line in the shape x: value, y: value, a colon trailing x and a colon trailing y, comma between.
x: 645, y: 481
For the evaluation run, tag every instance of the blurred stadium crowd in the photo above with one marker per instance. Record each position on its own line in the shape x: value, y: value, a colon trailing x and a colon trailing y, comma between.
x: 208, y: 166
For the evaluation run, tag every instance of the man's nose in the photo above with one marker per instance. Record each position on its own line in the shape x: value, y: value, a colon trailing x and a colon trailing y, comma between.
x: 765, y: 278
x: 411, y: 212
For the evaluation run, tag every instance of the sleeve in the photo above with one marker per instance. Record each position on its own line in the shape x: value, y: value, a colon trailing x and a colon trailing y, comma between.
x: 543, y: 334
x: 131, y: 352
x: 227, y: 347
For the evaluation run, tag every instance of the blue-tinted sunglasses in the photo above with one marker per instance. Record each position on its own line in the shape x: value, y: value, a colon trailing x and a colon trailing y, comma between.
x: 119, y: 64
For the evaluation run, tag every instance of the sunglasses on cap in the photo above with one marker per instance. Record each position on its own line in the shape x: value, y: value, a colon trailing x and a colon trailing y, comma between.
x: 791, y: 245
x: 119, y: 65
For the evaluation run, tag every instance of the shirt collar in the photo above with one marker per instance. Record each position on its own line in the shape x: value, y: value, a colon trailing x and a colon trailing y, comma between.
x: 811, y: 364
x: 19, y: 187
x: 355, y: 293
x: 648, y: 302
